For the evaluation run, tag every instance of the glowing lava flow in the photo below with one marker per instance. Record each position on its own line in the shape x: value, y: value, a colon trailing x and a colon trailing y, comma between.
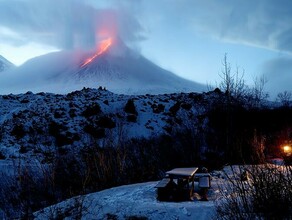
x: 103, y: 46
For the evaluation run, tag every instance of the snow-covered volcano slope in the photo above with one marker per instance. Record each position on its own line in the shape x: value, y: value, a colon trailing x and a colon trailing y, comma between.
x: 119, y: 69
x: 5, y: 64
x: 124, y: 71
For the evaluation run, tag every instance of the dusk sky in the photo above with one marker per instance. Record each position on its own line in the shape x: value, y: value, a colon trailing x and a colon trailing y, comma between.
x: 188, y: 37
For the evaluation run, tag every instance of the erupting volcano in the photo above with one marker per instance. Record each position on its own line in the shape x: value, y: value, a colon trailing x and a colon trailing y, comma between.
x: 113, y: 65
x: 103, y: 46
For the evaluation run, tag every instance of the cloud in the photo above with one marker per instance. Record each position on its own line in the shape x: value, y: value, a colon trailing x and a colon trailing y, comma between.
x: 7, y: 35
x: 73, y: 23
x: 279, y: 74
x: 261, y: 23
x: 67, y: 23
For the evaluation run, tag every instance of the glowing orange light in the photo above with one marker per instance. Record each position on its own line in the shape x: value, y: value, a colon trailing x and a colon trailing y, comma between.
x: 287, y: 149
x: 103, y: 46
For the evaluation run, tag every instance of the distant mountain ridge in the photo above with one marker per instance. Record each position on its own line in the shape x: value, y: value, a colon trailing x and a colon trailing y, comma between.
x: 5, y: 64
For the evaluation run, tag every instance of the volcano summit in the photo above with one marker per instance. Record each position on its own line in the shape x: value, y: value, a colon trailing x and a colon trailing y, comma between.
x: 113, y: 65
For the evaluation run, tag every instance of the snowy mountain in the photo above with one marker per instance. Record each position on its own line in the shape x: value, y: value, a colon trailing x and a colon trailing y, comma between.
x: 119, y: 69
x: 5, y: 64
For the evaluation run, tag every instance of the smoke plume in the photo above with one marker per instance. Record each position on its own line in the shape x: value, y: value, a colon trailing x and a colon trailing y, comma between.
x: 68, y: 24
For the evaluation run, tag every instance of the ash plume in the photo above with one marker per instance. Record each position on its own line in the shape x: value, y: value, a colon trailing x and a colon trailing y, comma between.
x: 68, y: 24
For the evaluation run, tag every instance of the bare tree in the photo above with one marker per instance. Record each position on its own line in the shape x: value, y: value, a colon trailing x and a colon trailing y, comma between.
x: 226, y: 83
x: 258, y: 93
x: 232, y: 83
x: 285, y: 98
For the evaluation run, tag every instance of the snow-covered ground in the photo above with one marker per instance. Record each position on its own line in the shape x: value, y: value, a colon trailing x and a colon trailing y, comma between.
x: 137, y: 200
x: 134, y: 200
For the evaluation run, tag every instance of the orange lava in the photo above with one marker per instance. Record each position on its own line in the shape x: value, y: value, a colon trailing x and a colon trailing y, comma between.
x: 103, y: 46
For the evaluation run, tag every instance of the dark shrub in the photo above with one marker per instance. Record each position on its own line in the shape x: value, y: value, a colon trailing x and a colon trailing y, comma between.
x: 130, y: 107
x: 24, y: 101
x: 2, y: 156
x: 18, y: 131
x: 158, y: 108
x: 91, y: 110
x: 132, y: 118
x: 94, y: 132
x: 23, y: 150
x: 58, y: 114
x: 72, y: 113
x: 186, y: 106
x: 106, y: 122
x: 55, y: 128
x: 174, y: 109
x: 63, y: 139
x: 135, y: 217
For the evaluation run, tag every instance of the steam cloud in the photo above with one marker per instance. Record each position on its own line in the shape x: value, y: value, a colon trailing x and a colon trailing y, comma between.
x: 68, y: 24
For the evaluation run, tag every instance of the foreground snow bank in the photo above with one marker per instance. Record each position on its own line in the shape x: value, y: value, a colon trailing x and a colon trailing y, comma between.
x: 131, y: 200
